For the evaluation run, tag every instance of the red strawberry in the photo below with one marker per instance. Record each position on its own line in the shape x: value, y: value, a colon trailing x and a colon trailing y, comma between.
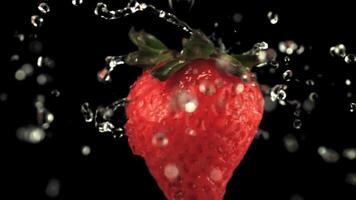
x: 192, y: 117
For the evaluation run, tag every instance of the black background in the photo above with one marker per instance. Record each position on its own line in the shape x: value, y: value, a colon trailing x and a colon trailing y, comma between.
x: 79, y: 41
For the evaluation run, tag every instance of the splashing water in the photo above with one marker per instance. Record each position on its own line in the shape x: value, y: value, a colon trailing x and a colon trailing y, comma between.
x: 134, y: 7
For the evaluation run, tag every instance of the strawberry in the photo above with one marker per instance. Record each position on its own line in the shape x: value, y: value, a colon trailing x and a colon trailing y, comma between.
x: 193, y: 115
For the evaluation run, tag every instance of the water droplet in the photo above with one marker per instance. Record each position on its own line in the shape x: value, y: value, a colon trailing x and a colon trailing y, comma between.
x: 14, y: 57
x: 87, y: 112
x: 308, y: 105
x: 191, y: 132
x: 272, y: 17
x: 350, y: 178
x: 287, y: 47
x: 44, y: 8
x: 53, y: 188
x: 216, y: 174
x: 328, y: 155
x: 313, y: 96
x: 291, y: 143
x: 287, y: 75
x: 3, y: 97
x: 349, y: 153
x: 171, y: 171
x: 105, y: 127
x: 20, y: 75
x: 77, y: 2
x: 43, y: 79
x: 348, y: 82
x: 31, y: 134
x: 262, y: 134
x: 261, y: 46
x: 160, y: 139
x: 28, y: 69
x: 207, y: 88
x: 239, y: 88
x: 296, y: 197
x: 190, y: 106
x: 186, y: 101
x: 45, y: 62
x: 278, y: 92
x: 270, y: 105
x: 55, y: 93
x: 350, y: 58
x: 286, y: 60
x: 300, y: 50
x: 104, y: 76
x: 237, y: 17
x: 310, y: 82
x: 162, y: 14
x: 86, y: 150
x: 36, y: 20
x: 181, y: 4
x: 352, y: 107
x: 297, y: 124
x: 20, y: 36
x: 338, y: 50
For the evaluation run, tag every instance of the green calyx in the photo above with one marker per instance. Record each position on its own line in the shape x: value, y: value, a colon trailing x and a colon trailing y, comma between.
x: 152, y: 51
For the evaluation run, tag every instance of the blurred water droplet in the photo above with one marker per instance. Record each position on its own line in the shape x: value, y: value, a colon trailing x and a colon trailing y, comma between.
x: 297, y: 124
x: 20, y: 75
x: 270, y: 105
x: 86, y: 150
x: 261, y: 46
x: 350, y: 178
x: 160, y: 139
x: 352, y: 107
x: 181, y: 4
x: 55, y: 93
x: 349, y: 153
x: 297, y: 113
x: 262, y: 134
x: 286, y: 60
x: 171, y: 171
x: 296, y: 197
x: 31, y: 134
x: 191, y: 132
x: 300, y: 50
x: 14, y: 57
x: 36, y: 20
x: 291, y: 143
x: 20, y: 36
x: 27, y: 68
x: 338, y: 50
x: 3, y: 97
x: 43, y: 79
x: 237, y: 17
x: 310, y: 82
x: 273, y: 17
x: 44, y: 8
x: 87, y: 112
x: 207, y: 88
x: 287, y: 75
x: 278, y: 92
x: 104, y: 76
x: 328, y: 155
x: 287, y: 47
x: 313, y: 96
x: 35, y: 46
x: 308, y: 105
x: 77, y: 2
x: 350, y: 58
x: 53, y: 188
x: 347, y: 82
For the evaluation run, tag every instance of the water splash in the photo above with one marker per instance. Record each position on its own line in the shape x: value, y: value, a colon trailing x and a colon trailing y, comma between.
x: 44, y: 8
x: 133, y: 7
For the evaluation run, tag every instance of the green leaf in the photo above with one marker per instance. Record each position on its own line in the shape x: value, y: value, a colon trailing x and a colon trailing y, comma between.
x: 146, y: 42
x: 197, y: 46
x: 164, y: 72
x: 247, y: 60
x: 147, y: 59
x: 230, y: 64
